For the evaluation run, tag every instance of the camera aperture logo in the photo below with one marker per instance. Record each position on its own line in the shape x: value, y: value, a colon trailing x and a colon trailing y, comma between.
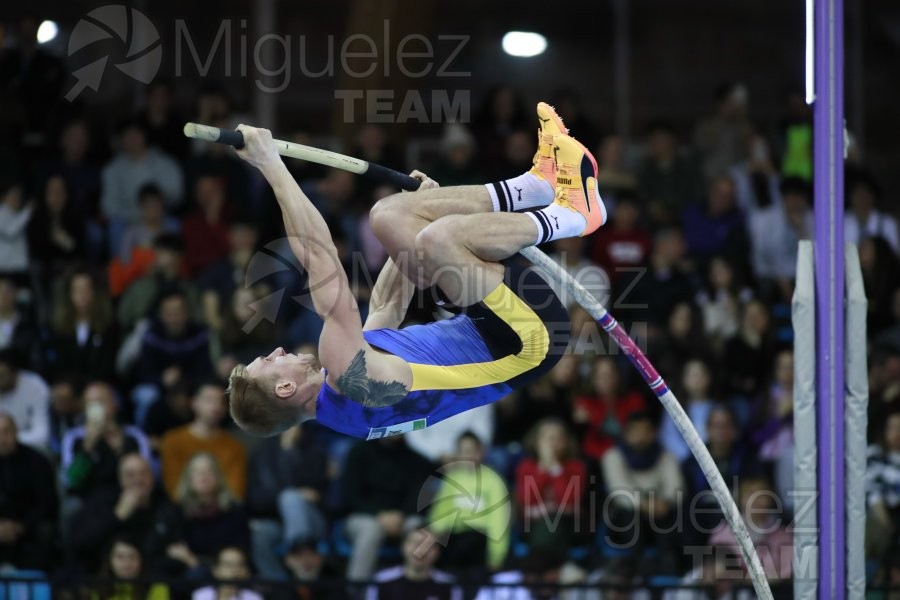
x: 468, y: 495
x: 139, y: 53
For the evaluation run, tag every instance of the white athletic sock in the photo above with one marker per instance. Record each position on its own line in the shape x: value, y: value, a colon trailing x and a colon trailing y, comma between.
x: 555, y: 222
x: 520, y: 193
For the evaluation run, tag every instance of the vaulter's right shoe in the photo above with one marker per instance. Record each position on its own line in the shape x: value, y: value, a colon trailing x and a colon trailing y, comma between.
x: 576, y: 181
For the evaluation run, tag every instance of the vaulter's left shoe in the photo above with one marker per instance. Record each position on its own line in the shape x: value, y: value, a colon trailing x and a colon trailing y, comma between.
x: 550, y: 124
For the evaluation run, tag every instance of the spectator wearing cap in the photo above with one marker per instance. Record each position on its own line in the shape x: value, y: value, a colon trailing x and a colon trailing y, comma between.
x: 28, y: 502
x: 456, y: 164
x: 25, y: 396
x: 863, y: 219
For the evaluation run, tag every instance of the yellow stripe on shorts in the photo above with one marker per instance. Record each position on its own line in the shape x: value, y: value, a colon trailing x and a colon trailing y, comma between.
x: 527, y: 325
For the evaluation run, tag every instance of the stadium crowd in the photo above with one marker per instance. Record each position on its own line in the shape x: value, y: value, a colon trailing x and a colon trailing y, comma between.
x: 138, y: 268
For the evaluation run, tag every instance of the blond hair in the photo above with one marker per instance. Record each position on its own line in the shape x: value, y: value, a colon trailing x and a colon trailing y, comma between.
x: 255, y: 407
x: 185, y: 495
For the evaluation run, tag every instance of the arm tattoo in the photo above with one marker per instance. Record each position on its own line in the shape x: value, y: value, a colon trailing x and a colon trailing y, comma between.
x: 356, y: 384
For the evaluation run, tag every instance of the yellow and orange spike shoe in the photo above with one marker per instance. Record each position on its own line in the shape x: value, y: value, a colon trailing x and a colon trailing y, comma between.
x: 550, y: 124
x: 576, y: 181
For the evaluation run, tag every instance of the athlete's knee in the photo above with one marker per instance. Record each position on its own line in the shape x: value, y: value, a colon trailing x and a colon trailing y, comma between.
x: 383, y: 216
x: 437, y: 238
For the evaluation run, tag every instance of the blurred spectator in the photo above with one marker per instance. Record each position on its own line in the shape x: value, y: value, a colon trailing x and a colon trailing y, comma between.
x: 440, y: 443
x: 136, y: 165
x: 225, y: 276
x: 206, y: 229
x: 732, y: 461
x: 286, y: 486
x: 25, y: 397
x: 74, y: 163
x: 137, y: 509
x: 306, y: 564
x: 549, y: 396
x: 18, y: 332
x: 91, y: 453
x: 66, y: 409
x: 667, y: 283
x: 881, y: 278
x: 603, y: 414
x: 644, y: 483
x: 761, y: 509
x: 169, y: 412
x: 882, y: 491
x: 165, y: 276
x: 756, y: 180
x: 667, y: 181
x: 682, y: 340
x: 174, y: 347
x: 213, y: 517
x: 84, y: 333
x: 540, y: 566
x: 721, y: 138
x: 163, y: 125
x: 569, y: 254
x: 456, y: 165
x: 518, y: 152
x: 233, y: 338
x: 230, y: 567
x: 381, y: 504
x: 28, y: 502
x: 720, y: 302
x: 218, y: 160
x: 550, y: 486
x: 570, y: 107
x: 124, y: 573
x: 623, y: 245
x: 416, y: 577
x: 748, y: 354
x: 477, y: 529
x: 56, y: 232
x: 501, y: 112
x: 716, y: 228
x: 204, y: 434
x: 614, y: 179
x: 773, y: 433
x: 695, y: 398
x: 775, y: 232
x: 15, y: 214
x: 796, y: 136
x: 136, y: 253
x: 863, y: 219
